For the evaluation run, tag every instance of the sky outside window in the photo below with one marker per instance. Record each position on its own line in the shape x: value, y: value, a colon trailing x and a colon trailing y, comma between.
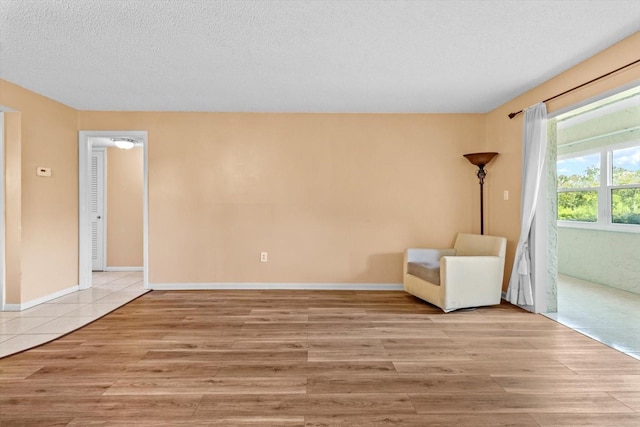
x: 626, y: 166
x: 579, y: 172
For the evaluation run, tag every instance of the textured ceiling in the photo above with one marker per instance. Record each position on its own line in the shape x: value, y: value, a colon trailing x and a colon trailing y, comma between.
x: 300, y: 56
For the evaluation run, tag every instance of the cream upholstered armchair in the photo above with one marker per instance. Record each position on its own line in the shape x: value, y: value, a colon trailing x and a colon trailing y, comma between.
x: 468, y: 275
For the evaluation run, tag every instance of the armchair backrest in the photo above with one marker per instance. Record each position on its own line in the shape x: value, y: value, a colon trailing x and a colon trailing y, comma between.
x: 480, y: 245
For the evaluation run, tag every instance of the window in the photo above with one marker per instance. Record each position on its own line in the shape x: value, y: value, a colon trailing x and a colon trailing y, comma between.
x: 599, y: 164
x: 601, y: 188
x: 578, y: 182
x: 625, y: 186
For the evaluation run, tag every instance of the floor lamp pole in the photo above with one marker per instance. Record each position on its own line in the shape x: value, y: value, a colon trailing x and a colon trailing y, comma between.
x: 480, y: 160
x: 481, y: 174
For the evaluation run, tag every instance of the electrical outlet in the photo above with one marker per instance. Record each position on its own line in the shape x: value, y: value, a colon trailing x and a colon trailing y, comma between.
x: 506, y: 195
x: 264, y: 256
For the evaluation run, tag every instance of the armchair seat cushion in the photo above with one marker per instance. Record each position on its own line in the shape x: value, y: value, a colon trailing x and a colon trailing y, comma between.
x: 425, y: 271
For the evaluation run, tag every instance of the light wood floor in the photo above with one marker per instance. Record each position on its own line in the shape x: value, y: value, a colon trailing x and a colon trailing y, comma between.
x: 318, y: 358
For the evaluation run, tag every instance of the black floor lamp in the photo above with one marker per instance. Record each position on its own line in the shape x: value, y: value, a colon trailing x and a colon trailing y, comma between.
x: 481, y: 160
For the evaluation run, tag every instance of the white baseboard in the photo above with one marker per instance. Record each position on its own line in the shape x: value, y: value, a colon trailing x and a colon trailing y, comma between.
x: 41, y: 300
x: 124, y: 269
x: 277, y: 286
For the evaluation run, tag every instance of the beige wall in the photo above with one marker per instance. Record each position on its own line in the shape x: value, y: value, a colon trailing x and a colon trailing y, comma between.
x: 13, y: 205
x: 49, y: 206
x: 124, y: 207
x: 505, y: 135
x: 331, y: 197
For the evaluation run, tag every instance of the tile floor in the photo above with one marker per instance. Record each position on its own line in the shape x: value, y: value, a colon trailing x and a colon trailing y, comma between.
x: 20, y: 330
x: 605, y: 314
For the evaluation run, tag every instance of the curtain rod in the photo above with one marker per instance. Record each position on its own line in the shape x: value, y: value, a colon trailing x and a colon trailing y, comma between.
x: 512, y: 115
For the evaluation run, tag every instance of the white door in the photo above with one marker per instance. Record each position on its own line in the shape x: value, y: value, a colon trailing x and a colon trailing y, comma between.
x: 97, y: 210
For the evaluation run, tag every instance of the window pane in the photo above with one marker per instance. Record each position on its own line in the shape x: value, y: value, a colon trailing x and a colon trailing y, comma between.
x: 578, y: 206
x: 625, y: 206
x: 579, y: 172
x: 626, y: 166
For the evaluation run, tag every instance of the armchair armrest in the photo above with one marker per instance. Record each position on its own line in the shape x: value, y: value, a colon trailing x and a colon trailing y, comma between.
x: 471, y: 278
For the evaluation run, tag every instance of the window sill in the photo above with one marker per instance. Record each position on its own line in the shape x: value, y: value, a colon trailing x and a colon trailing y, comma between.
x: 615, y: 228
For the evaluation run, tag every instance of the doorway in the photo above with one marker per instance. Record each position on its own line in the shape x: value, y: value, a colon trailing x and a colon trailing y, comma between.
x: 2, y: 219
x: 594, y: 182
x: 88, y: 212
x: 545, y: 224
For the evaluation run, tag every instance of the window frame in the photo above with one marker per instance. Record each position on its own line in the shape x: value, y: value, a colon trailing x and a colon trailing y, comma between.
x: 604, y: 221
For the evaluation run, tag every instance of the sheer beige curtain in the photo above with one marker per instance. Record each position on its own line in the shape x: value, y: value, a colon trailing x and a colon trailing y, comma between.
x: 534, y: 146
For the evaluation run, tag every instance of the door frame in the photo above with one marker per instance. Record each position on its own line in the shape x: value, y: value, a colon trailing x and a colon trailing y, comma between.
x: 2, y: 216
x: 546, y: 284
x: 84, y: 199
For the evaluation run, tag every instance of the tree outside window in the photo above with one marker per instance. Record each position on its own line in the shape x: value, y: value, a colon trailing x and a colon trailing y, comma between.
x: 578, y: 180
x: 625, y: 188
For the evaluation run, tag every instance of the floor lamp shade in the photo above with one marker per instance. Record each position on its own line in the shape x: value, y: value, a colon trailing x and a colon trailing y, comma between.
x: 481, y: 160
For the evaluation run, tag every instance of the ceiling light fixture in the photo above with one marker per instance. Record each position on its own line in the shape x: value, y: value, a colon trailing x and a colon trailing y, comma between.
x: 124, y: 143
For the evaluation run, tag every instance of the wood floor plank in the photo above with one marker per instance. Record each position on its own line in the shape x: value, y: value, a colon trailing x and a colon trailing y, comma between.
x: 628, y: 366
x: 337, y: 317
x: 70, y: 387
x: 203, y: 343
x: 484, y: 367
x: 140, y: 370
x: 492, y: 343
x: 357, y: 354
x: 587, y: 420
x: 50, y: 406
x: 308, y: 369
x: 479, y: 332
x: 408, y: 354
x: 579, y: 403
x: 405, y: 384
x: 197, y: 355
x: 75, y: 357
x: 341, y: 344
x: 628, y: 398
x: 247, y: 344
x: 304, y: 404
x: 569, y: 383
x: 567, y: 341
x: 423, y: 420
x: 194, y: 421
x: 318, y: 358
x: 376, y: 333
x: 19, y: 371
x: 569, y: 355
x: 45, y: 421
x: 204, y: 385
x: 141, y: 407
